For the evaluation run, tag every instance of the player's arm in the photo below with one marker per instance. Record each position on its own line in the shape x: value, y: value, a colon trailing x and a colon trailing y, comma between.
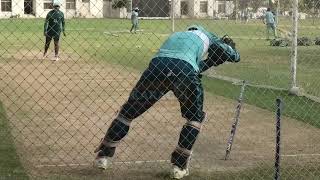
x: 46, y: 24
x: 218, y: 53
x: 63, y: 25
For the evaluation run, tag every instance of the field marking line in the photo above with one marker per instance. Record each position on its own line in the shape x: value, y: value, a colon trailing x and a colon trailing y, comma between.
x: 89, y: 164
x: 291, y: 155
x: 297, y: 155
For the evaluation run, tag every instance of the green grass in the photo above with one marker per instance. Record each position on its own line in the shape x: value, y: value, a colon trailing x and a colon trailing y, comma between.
x: 10, y: 166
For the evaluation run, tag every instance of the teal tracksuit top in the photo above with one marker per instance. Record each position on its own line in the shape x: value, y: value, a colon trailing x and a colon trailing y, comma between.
x: 190, y: 46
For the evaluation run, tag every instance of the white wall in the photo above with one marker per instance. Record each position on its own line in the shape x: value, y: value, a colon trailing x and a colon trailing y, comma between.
x: 177, y: 8
x: 210, y: 8
x: 96, y: 8
x: 230, y: 7
x: 194, y: 8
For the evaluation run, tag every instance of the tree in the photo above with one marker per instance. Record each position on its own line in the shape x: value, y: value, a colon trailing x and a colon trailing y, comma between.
x: 309, y: 5
x: 243, y: 4
x: 255, y: 4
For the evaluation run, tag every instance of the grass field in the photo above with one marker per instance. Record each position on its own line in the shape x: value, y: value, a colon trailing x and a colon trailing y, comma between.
x: 92, y: 40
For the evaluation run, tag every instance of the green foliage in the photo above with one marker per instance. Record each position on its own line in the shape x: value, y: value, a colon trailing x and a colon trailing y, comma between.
x: 309, y: 5
x: 282, y: 42
x: 317, y: 41
x: 304, y: 41
x: 120, y: 4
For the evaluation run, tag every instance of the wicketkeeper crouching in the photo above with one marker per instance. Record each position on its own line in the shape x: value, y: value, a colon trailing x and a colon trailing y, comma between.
x: 176, y: 67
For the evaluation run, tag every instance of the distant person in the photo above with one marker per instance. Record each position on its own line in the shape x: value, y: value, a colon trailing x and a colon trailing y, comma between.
x: 134, y: 19
x: 269, y: 20
x: 246, y: 15
x: 53, y: 26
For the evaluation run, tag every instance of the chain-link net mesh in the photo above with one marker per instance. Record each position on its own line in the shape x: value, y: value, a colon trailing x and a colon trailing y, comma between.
x: 55, y: 107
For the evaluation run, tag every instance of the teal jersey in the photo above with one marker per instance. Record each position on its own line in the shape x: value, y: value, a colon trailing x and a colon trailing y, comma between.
x: 192, y: 46
x: 54, y: 23
x: 189, y: 46
x: 134, y: 17
x: 269, y: 17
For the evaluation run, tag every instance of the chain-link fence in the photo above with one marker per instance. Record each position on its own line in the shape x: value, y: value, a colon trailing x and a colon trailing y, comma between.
x: 55, y: 107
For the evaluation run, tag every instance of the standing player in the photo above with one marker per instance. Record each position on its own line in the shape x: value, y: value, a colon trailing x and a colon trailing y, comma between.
x: 176, y: 67
x: 269, y: 20
x: 134, y: 19
x: 53, y: 26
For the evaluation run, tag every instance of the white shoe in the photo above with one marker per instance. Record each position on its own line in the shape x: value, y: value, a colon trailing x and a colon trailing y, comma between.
x: 44, y: 57
x: 178, y: 173
x: 102, y: 162
x: 56, y: 58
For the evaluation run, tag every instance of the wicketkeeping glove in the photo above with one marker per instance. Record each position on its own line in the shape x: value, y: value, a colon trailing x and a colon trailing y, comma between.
x: 227, y: 40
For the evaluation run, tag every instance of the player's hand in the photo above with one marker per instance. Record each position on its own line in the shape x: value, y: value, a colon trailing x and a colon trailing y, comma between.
x: 45, y: 34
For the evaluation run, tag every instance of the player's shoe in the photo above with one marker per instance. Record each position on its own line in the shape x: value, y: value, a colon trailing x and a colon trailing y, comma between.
x: 45, y: 56
x: 178, y: 173
x: 56, y: 58
x: 102, y: 162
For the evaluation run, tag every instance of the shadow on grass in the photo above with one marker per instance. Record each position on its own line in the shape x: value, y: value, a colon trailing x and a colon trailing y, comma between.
x: 10, y: 165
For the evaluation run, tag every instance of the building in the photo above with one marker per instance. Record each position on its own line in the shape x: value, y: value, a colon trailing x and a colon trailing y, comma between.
x: 202, y: 8
x: 103, y: 8
x: 40, y: 8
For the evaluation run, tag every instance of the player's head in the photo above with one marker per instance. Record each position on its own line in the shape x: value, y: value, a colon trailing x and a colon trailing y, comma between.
x: 56, y: 5
x: 136, y: 9
x: 268, y: 9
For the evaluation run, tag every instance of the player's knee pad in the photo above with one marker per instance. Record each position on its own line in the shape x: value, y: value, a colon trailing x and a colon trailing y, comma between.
x: 183, y: 151
x: 116, y: 132
x: 118, y: 129
x: 189, y: 133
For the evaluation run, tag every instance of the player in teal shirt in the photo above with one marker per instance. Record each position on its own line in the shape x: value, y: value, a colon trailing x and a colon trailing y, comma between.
x: 176, y: 67
x: 191, y: 46
x: 53, y: 26
x: 135, y: 19
x: 269, y: 20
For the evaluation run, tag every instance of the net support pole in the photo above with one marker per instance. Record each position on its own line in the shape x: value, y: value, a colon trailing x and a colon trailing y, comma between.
x: 294, y: 89
x: 172, y: 14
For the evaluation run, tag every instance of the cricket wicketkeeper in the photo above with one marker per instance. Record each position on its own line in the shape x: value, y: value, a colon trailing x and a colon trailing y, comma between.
x: 176, y: 67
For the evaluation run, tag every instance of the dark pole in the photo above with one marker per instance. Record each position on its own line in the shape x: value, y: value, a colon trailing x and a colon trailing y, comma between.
x: 278, y: 138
